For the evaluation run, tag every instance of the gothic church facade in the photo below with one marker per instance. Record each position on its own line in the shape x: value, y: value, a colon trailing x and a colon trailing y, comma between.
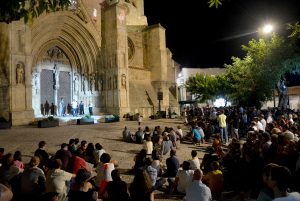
x: 100, y: 52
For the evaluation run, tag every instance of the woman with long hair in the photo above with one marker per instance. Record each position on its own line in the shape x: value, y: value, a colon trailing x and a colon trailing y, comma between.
x: 141, y: 188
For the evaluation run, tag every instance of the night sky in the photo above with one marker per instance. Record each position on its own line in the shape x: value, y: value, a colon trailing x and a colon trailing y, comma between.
x: 199, y: 36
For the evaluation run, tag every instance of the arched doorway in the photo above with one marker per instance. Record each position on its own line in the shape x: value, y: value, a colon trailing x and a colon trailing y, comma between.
x: 52, y: 81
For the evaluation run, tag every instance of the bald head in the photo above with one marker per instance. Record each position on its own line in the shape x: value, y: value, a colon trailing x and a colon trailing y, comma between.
x: 197, y: 174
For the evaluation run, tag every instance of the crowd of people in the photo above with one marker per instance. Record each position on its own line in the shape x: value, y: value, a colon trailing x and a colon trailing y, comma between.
x: 253, y: 153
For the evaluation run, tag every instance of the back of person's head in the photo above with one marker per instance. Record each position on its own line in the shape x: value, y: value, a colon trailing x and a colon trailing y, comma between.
x: 147, y: 129
x: 172, y: 152
x: 148, y: 161
x: 42, y: 144
x: 57, y: 164
x: 267, y: 169
x: 148, y: 138
x: 185, y: 165
x: 115, y: 175
x: 282, y: 176
x: 105, y: 158
x: 178, y: 127
x: 7, y: 160
x: 194, y: 153
x: 1, y: 150
x: 197, y: 174
x: 215, y: 165
x: 63, y: 146
x: 71, y: 141
x: 155, y: 155
x: 76, y: 140
x: 83, y: 143
x: 98, y: 146
x: 82, y: 176
x: 34, y: 161
x: 18, y: 156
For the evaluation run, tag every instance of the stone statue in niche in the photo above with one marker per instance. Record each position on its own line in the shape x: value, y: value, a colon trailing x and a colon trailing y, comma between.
x: 36, y: 82
x: 76, y: 84
x: 84, y: 82
x: 115, y: 83
x: 20, y: 74
x: 55, y: 77
x: 123, y: 81
x: 92, y: 82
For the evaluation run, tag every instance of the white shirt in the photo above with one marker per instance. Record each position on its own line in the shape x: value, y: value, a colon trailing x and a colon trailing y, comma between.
x: 294, y: 196
x: 195, y: 163
x: 197, y: 191
x: 57, y: 181
x: 184, y: 179
x: 264, y: 124
x: 260, y: 126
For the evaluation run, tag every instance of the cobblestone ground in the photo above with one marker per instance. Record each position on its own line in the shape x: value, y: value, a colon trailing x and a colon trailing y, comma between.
x: 26, y: 140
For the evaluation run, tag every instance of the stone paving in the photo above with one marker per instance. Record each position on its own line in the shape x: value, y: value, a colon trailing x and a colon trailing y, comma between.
x: 109, y: 135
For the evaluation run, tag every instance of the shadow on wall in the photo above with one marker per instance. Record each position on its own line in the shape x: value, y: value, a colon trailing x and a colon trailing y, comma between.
x: 4, y: 71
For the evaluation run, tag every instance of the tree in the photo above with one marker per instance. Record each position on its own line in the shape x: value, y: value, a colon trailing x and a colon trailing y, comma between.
x: 267, y: 61
x: 202, y: 86
x: 14, y: 10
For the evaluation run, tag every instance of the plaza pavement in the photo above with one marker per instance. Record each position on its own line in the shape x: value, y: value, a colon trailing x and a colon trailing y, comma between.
x: 109, y: 135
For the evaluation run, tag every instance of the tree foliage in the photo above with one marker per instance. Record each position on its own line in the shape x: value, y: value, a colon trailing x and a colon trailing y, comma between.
x: 13, y: 10
x: 251, y: 80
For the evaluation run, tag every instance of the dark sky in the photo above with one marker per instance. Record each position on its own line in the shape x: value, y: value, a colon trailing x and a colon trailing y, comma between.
x: 199, y: 36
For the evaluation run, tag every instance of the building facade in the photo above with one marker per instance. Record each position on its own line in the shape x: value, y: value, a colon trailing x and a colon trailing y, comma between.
x: 102, y: 54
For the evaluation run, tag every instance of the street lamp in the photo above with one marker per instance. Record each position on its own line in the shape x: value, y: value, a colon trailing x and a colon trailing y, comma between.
x: 268, y: 28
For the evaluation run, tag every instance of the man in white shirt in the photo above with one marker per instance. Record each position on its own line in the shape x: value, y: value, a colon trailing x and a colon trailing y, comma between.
x: 194, y: 163
x: 197, y: 190
x: 183, y: 178
x: 58, y: 180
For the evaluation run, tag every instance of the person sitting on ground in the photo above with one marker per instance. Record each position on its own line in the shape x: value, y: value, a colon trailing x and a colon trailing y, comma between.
x: 117, y: 189
x: 18, y: 160
x: 82, y: 147
x: 58, y: 180
x: 104, y: 173
x: 90, y: 154
x: 71, y: 146
x: 215, y: 180
x: 43, y: 155
x: 147, y: 132
x: 126, y: 135
x: 166, y: 145
x: 279, y: 181
x: 82, y: 189
x: 172, y: 167
x: 157, y: 162
x: 33, y: 180
x: 151, y: 171
x: 139, y: 160
x: 194, y: 162
x: 197, y: 190
x: 208, y: 158
x: 179, y: 132
x: 141, y: 188
x: 65, y: 156
x: 148, y: 145
x: 196, y: 136
x: 99, y: 151
x: 139, y: 136
x: 183, y: 178
x: 266, y: 193
x: 8, y: 171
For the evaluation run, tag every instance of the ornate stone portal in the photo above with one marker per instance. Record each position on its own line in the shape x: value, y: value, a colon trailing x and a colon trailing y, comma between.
x: 105, y: 55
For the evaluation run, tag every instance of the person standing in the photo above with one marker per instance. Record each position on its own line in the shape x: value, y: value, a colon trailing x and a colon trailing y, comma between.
x: 47, y: 107
x: 91, y: 108
x: 81, y: 108
x: 140, y: 119
x: 74, y: 108
x: 223, y: 127
x: 62, y: 107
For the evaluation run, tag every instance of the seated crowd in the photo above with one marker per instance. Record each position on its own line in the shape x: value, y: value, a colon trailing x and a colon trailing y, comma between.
x: 265, y: 167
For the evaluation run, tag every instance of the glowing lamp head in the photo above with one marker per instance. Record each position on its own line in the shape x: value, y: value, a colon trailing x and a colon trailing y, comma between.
x: 268, y: 29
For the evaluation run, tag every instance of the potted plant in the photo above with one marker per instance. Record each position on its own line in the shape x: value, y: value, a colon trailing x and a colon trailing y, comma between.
x: 87, y: 119
x: 4, y: 124
x: 48, y: 122
x: 112, y: 118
